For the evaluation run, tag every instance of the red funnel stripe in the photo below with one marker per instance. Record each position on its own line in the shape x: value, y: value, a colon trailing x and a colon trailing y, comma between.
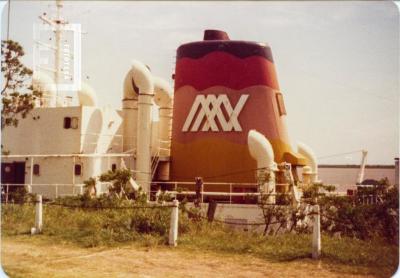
x: 223, y: 69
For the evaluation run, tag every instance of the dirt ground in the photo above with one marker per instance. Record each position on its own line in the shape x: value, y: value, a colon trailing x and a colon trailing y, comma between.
x: 22, y: 257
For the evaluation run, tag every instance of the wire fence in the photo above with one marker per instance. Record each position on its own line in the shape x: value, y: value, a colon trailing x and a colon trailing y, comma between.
x: 109, y: 207
x: 162, y: 206
x: 315, y: 217
x: 96, y: 207
x: 190, y: 214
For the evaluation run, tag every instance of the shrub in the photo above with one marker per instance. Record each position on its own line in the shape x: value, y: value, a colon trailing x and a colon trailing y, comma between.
x: 119, y: 180
x: 346, y: 216
x: 19, y: 195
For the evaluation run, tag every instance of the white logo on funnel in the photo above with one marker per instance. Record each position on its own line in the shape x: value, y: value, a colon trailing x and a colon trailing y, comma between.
x: 209, y: 113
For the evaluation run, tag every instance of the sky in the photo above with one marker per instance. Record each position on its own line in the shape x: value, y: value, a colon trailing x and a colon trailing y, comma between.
x: 337, y: 62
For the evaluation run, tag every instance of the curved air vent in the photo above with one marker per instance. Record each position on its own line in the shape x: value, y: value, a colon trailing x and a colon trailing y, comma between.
x: 135, y: 88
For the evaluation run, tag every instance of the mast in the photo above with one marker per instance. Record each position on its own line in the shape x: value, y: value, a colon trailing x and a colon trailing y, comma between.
x: 8, y: 19
x: 58, y: 21
x: 57, y: 24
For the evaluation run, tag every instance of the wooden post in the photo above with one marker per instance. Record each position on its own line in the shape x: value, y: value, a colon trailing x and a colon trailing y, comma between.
x: 173, y: 229
x: 316, y: 237
x: 7, y: 193
x: 38, y: 216
x: 212, y: 207
x: 199, y: 193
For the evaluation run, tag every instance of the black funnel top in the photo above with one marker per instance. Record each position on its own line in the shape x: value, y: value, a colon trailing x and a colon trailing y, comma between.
x: 214, y: 35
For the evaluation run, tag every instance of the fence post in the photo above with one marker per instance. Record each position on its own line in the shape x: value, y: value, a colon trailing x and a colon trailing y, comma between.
x: 7, y: 194
x: 316, y: 237
x: 199, y: 191
x: 212, y: 207
x: 38, y: 216
x: 173, y: 228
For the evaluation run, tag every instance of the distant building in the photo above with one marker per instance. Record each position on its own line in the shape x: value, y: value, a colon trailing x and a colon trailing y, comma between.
x: 345, y: 176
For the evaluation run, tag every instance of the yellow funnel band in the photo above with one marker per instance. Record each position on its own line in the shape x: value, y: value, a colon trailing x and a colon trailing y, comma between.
x: 284, y: 153
x: 295, y: 158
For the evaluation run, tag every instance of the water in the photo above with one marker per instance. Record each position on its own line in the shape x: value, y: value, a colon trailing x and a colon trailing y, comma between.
x: 345, y: 177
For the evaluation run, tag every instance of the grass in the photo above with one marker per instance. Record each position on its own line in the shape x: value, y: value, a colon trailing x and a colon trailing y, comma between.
x: 288, y: 247
x: 149, y: 228
x: 90, y: 228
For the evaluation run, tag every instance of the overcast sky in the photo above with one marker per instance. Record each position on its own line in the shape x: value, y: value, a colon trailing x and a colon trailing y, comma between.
x: 337, y: 62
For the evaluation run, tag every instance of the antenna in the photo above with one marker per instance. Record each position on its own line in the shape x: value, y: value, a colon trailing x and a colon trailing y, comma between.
x: 57, y: 24
x: 65, y: 55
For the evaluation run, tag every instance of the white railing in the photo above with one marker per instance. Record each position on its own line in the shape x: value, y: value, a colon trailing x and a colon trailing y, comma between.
x: 229, y: 193
x: 53, y: 189
x: 50, y: 189
x: 47, y: 100
x: 369, y: 199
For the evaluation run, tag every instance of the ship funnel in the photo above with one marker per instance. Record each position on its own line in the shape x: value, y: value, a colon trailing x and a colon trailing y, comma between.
x: 223, y: 89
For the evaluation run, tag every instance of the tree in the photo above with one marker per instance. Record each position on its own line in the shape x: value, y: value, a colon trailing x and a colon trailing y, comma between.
x: 119, y: 180
x: 17, y: 93
x: 90, y: 187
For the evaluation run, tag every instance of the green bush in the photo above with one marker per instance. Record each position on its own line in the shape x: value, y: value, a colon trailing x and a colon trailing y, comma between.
x: 19, y: 195
x: 347, y: 216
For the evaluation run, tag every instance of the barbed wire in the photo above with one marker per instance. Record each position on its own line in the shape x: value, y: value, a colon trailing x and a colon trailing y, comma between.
x: 95, y: 207
x: 111, y: 207
x: 190, y: 214
x: 336, y: 220
x: 243, y: 224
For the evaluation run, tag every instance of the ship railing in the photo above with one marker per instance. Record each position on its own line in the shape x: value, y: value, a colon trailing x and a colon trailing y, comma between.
x: 176, y: 188
x: 51, y: 190
x: 179, y: 188
x: 48, y: 100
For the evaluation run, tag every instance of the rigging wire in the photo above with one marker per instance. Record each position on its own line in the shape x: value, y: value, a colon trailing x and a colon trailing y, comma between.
x: 230, y: 173
x: 8, y: 19
x: 339, y: 154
